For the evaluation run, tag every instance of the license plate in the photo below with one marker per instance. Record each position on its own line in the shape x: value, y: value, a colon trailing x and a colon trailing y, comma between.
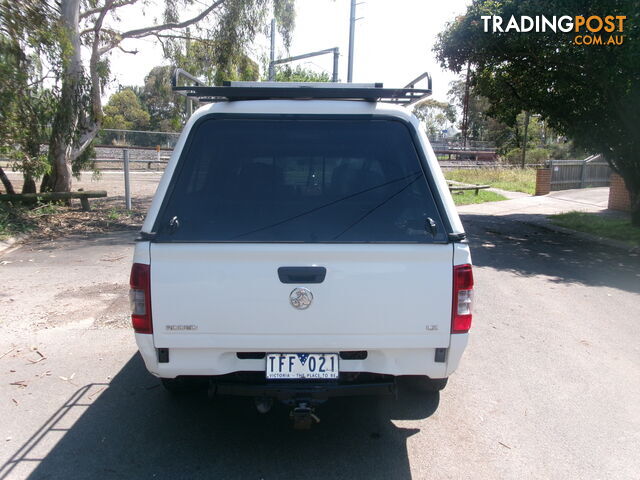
x: 302, y: 365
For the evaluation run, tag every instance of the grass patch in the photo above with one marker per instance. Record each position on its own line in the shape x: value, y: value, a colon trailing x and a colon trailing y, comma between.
x: 469, y: 196
x: 512, y: 179
x: 602, y: 226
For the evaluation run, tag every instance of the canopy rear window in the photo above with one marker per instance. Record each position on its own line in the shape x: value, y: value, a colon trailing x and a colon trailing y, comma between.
x: 299, y: 180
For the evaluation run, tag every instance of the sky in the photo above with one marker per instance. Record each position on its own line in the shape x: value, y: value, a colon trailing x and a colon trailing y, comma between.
x: 393, y: 41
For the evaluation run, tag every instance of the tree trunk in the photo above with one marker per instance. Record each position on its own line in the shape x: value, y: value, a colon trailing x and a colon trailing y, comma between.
x: 6, y: 182
x: 629, y: 170
x: 29, y: 185
x: 65, y: 124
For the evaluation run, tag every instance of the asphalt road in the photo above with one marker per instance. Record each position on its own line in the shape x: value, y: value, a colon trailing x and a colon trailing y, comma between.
x: 548, y: 388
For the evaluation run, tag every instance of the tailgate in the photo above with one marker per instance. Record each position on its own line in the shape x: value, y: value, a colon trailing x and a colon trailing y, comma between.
x: 230, y: 296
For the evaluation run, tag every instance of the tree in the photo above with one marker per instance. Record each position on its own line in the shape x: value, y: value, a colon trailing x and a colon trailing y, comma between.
x: 435, y: 115
x: 94, y: 25
x: 124, y: 112
x: 300, y: 74
x: 588, y: 93
x: 167, y: 111
x: 26, y: 106
x: 477, y: 106
x: 202, y: 57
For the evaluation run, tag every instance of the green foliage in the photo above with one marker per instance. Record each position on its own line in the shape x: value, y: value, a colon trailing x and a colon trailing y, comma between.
x: 511, y: 179
x: 566, y: 151
x: 587, y: 93
x: 533, y: 156
x: 435, y: 116
x: 484, y: 127
x: 84, y: 161
x: 75, y: 37
x: 167, y: 112
x: 218, y: 52
x: 14, y: 221
x: 600, y: 225
x: 123, y: 111
x: 478, y: 106
x: 27, y: 40
x: 285, y: 14
x: 206, y: 59
x: 300, y: 74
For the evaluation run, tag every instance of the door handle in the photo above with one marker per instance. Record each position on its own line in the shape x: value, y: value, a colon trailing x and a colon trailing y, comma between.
x: 302, y: 274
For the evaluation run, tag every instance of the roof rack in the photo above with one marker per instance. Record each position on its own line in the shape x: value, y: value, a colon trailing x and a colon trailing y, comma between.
x: 373, y: 92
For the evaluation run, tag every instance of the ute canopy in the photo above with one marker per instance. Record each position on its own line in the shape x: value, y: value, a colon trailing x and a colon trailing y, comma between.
x: 289, y: 179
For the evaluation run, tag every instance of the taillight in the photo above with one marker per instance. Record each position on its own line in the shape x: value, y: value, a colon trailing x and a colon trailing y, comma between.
x: 462, y: 298
x: 140, y: 298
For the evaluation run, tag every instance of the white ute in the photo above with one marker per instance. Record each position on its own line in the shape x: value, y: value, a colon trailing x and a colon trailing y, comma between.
x: 302, y: 244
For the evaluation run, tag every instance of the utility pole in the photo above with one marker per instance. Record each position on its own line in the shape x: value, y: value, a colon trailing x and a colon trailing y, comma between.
x: 352, y: 28
x: 465, y: 111
x: 187, y: 54
x: 524, y: 139
x: 272, y: 57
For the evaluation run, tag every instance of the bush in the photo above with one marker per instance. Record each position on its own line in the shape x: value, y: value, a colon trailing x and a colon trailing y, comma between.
x: 566, y: 151
x: 534, y: 155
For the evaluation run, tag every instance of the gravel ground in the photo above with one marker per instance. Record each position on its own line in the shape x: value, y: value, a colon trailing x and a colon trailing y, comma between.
x: 548, y: 388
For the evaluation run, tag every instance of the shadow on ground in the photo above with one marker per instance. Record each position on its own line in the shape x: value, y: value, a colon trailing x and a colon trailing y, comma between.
x: 504, y: 243
x: 134, y: 429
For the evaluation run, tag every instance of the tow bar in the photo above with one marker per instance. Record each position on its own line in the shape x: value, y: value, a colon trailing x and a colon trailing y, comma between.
x: 303, y: 416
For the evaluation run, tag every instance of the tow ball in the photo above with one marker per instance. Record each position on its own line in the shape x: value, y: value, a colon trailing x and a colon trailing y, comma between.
x: 303, y: 416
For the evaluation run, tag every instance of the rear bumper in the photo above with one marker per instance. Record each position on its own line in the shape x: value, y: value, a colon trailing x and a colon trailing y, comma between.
x: 296, y: 391
x: 385, y: 361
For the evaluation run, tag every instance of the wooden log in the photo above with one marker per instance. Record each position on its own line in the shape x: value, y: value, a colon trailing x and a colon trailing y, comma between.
x: 84, y: 197
x: 53, y: 195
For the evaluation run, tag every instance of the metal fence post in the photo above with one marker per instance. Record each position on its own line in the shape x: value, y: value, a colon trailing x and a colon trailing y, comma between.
x: 127, y: 186
x: 583, y: 174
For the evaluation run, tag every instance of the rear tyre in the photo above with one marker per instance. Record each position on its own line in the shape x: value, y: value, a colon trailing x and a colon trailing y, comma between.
x: 423, y: 384
x: 182, y: 385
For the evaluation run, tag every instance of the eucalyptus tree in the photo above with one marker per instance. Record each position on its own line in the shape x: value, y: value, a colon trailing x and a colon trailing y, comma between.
x: 92, y: 29
x: 28, y: 49
x: 587, y: 92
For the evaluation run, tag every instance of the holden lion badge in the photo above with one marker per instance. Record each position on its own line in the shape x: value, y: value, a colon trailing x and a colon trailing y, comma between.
x: 301, y: 298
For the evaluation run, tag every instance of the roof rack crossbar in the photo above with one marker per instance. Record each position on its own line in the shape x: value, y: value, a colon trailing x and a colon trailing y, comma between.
x: 402, y: 96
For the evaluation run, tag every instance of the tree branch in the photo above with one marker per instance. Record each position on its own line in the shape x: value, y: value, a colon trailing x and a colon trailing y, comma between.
x: 153, y: 30
x: 91, y: 123
x: 104, y: 30
x: 93, y: 11
x: 144, y: 32
x: 85, y: 140
x: 132, y: 52
x: 181, y: 37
